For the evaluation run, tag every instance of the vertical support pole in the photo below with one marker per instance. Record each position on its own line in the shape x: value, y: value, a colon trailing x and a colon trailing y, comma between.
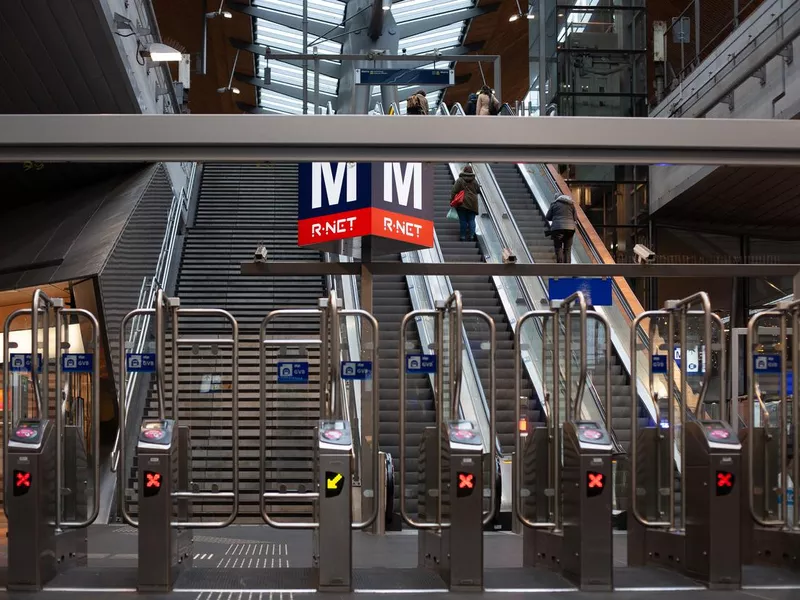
x: 204, y: 47
x: 542, y: 56
x: 735, y: 13
x: 368, y: 402
x: 59, y: 412
x: 498, y: 79
x: 317, y: 110
x: 696, y: 35
x: 305, y: 60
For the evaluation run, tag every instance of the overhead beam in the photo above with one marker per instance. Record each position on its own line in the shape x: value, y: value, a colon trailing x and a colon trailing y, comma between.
x: 425, y: 24
x: 315, y: 28
x: 325, y: 68
x: 270, y: 269
x: 375, y: 28
x: 574, y: 140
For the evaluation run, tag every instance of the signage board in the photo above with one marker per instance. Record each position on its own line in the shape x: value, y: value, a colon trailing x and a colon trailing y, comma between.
x: 77, y: 363
x: 356, y: 370
x: 767, y: 363
x: 422, y: 77
x: 420, y: 363
x: 21, y: 363
x: 597, y: 291
x: 659, y: 364
x: 391, y: 202
x: 292, y: 372
x: 140, y: 363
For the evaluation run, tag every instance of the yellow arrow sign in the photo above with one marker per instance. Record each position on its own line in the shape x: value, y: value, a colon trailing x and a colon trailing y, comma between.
x: 333, y: 483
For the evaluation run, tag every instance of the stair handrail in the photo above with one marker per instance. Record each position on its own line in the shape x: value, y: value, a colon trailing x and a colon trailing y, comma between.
x: 137, y: 337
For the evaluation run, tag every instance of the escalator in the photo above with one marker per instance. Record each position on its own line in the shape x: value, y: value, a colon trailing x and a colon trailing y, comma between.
x: 239, y: 206
x: 532, y: 225
x: 391, y: 302
x: 480, y: 293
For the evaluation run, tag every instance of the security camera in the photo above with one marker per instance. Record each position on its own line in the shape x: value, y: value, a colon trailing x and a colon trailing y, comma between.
x: 643, y: 254
x: 509, y: 257
x: 260, y: 255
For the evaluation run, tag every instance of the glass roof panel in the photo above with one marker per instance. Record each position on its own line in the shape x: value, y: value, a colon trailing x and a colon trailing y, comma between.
x: 409, y: 10
x: 287, y: 39
x: 441, y: 38
x: 327, y: 11
x: 293, y: 75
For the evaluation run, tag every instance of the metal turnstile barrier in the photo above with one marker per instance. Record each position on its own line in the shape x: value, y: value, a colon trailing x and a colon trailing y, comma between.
x: 162, y: 449
x: 697, y: 534
x: 453, y: 454
x: 562, y: 474
x: 770, y: 530
x: 333, y: 450
x: 41, y: 541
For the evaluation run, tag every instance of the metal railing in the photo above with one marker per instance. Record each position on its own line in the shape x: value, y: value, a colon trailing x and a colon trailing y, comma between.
x: 137, y: 338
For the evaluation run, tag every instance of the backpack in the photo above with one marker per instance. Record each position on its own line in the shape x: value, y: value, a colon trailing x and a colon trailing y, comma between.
x: 412, y: 104
x: 494, y: 106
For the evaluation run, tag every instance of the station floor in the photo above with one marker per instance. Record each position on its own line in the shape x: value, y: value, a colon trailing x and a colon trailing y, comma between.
x: 257, y: 563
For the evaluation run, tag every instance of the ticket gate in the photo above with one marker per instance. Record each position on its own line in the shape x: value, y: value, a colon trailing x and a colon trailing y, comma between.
x: 450, y: 540
x: 700, y: 536
x: 770, y: 531
x: 335, y: 446
x: 44, y: 469
x: 162, y: 451
x: 562, y: 471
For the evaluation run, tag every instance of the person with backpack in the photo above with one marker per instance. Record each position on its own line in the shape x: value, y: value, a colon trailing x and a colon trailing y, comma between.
x: 464, y: 198
x: 417, y: 103
x: 487, y: 103
x: 472, y: 103
x: 561, y: 214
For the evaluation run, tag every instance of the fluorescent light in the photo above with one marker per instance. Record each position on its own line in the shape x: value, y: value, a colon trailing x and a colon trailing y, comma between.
x: 232, y: 89
x: 225, y: 14
x: 386, y: 5
x: 513, y: 18
x: 531, y: 16
x: 162, y: 53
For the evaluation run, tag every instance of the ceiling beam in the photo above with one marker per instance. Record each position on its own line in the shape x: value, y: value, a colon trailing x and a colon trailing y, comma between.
x: 418, y: 26
x: 573, y: 140
x: 325, y: 68
x: 315, y: 28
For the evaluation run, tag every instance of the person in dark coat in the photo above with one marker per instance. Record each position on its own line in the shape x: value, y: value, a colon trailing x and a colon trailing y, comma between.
x: 472, y: 103
x: 469, y: 208
x: 561, y: 215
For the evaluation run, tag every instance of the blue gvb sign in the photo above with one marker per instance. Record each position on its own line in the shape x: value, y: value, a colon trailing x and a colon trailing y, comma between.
x: 420, y: 363
x: 77, y: 363
x: 767, y: 363
x: 140, y: 363
x: 22, y: 363
x: 356, y: 370
x: 659, y: 364
x: 292, y: 372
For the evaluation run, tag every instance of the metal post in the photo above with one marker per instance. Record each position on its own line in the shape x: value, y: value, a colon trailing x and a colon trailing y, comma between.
x: 59, y: 418
x: 670, y: 414
x: 305, y: 60
x: 696, y: 34
x: 542, y: 56
x: 783, y: 511
x: 684, y: 317
x: 555, y: 471
x: 204, y: 47
x: 317, y: 110
x: 498, y: 79
x: 369, y: 436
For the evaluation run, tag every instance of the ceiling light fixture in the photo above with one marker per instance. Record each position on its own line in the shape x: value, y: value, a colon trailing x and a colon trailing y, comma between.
x: 225, y: 14
x: 386, y: 4
x: 517, y: 16
x: 161, y: 53
x: 232, y: 89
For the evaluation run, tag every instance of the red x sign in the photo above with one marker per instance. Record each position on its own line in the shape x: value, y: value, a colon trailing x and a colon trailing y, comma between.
x: 465, y: 481
x: 153, y: 480
x: 23, y: 479
x: 595, y: 480
x: 724, y: 479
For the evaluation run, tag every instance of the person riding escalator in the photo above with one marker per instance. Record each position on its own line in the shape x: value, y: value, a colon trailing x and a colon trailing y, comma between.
x: 464, y: 198
x: 561, y: 215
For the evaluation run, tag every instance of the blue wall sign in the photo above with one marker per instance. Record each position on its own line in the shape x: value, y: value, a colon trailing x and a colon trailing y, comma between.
x: 789, y: 382
x: 140, y: 363
x: 21, y: 363
x: 405, y: 77
x: 597, y: 291
x: 356, y: 370
x: 292, y: 372
x: 696, y: 365
x: 420, y: 363
x: 659, y: 363
x: 77, y: 363
x: 767, y: 363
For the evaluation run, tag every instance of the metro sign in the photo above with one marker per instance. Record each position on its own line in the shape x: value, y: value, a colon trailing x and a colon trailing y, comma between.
x: 392, y: 202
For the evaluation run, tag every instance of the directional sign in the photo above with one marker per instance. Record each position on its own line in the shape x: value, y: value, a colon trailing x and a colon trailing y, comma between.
x: 596, y: 291
x: 659, y: 363
x: 140, y: 363
x: 405, y: 76
x: 420, y: 363
x: 292, y: 372
x: 334, y: 484
x: 77, y: 363
x: 696, y: 362
x: 21, y: 363
x: 767, y: 363
x: 356, y: 370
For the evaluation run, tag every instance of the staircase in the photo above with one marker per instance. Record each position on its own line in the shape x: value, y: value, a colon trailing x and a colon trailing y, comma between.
x: 479, y: 292
x: 391, y: 303
x: 239, y: 206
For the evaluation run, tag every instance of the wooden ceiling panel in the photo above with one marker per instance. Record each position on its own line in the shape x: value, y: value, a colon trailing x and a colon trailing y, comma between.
x: 181, y: 24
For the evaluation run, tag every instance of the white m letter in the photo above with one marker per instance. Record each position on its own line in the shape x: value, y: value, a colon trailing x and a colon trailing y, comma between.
x: 394, y: 178
x: 323, y: 173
